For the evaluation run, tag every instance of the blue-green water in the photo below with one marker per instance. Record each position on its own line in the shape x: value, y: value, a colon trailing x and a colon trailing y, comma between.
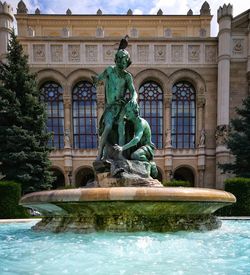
x: 222, y: 251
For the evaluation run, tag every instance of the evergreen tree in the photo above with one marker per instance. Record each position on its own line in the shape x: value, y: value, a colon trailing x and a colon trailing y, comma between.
x: 239, y: 142
x: 24, y: 147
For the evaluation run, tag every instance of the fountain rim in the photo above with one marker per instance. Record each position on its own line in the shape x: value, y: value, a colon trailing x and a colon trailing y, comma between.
x: 184, y: 194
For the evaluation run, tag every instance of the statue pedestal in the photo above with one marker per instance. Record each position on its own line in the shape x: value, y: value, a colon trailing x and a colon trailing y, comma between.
x: 123, y: 173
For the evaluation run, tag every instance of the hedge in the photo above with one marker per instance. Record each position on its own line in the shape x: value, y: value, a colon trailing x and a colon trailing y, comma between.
x: 240, y: 187
x: 10, y: 193
x: 176, y: 183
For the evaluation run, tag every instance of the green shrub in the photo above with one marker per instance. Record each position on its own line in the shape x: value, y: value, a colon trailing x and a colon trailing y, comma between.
x: 10, y: 193
x: 176, y: 183
x: 240, y: 187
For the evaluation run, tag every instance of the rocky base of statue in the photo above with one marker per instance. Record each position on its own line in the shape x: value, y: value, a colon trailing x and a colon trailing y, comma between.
x: 128, y: 223
x: 123, y: 173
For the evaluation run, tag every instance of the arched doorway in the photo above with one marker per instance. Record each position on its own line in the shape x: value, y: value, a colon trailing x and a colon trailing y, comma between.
x: 59, y: 181
x: 84, y: 176
x: 185, y: 174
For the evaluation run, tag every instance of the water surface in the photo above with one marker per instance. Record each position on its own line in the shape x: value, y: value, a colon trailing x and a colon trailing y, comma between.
x: 222, y: 251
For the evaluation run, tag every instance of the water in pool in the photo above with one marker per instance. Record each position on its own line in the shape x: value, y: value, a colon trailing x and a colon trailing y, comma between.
x: 222, y: 251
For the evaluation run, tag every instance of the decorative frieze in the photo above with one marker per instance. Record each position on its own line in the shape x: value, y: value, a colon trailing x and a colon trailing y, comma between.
x: 56, y: 53
x: 140, y: 54
x: 177, y: 53
x: 91, y: 53
x: 39, y: 54
x: 74, y: 53
x: 143, y: 53
x: 160, y: 53
x: 210, y: 53
x: 194, y: 53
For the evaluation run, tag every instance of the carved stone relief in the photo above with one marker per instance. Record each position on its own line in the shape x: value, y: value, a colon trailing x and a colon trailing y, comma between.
x: 39, y: 53
x: 193, y: 53
x: 176, y: 53
x: 109, y: 53
x: 160, y: 53
x: 210, y: 53
x: 143, y: 53
x: 91, y: 53
x: 238, y: 46
x: 74, y: 53
x: 56, y: 53
x: 221, y: 134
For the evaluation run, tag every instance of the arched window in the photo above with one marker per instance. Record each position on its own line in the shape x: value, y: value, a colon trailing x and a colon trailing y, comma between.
x: 183, y: 115
x: 150, y: 102
x: 52, y: 94
x: 84, y: 115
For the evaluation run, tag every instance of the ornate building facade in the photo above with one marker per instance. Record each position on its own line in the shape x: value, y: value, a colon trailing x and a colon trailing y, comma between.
x: 188, y: 83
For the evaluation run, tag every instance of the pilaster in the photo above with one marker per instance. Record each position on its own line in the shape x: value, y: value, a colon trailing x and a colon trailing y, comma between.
x: 68, y: 136
x: 168, y: 156
x: 224, y: 16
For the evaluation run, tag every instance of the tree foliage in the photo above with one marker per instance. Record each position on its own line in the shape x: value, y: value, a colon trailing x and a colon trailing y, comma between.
x: 239, y: 142
x: 23, y: 138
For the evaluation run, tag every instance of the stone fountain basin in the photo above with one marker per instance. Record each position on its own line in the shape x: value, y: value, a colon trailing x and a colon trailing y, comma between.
x: 128, y: 208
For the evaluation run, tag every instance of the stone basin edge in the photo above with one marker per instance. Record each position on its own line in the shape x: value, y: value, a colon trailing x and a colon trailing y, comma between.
x: 129, y: 194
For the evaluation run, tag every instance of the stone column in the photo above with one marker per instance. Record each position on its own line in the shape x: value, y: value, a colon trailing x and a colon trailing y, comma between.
x: 67, y: 123
x: 6, y: 25
x: 168, y: 156
x: 224, y: 16
x: 201, y: 139
x: 67, y: 152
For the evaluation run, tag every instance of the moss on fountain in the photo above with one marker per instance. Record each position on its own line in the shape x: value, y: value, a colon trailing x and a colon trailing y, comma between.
x: 128, y: 209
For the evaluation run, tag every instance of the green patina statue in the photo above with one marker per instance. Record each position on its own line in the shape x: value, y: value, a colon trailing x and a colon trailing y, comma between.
x: 143, y: 148
x: 124, y: 134
x: 117, y: 82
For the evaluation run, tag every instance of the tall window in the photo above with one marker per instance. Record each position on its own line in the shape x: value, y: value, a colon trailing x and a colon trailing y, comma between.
x: 52, y: 94
x: 151, y: 101
x: 84, y: 115
x: 183, y: 115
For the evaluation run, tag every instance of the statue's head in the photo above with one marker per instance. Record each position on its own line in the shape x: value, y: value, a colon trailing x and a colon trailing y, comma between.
x: 132, y: 110
x: 122, y: 59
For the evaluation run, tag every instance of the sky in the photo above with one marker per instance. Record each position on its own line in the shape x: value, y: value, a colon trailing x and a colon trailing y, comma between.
x: 169, y: 7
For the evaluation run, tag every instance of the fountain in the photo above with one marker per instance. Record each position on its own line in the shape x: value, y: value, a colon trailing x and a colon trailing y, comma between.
x: 125, y: 195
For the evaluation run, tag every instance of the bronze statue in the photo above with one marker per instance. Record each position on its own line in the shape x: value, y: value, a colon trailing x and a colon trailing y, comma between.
x: 125, y: 149
x: 117, y: 82
x: 141, y: 139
